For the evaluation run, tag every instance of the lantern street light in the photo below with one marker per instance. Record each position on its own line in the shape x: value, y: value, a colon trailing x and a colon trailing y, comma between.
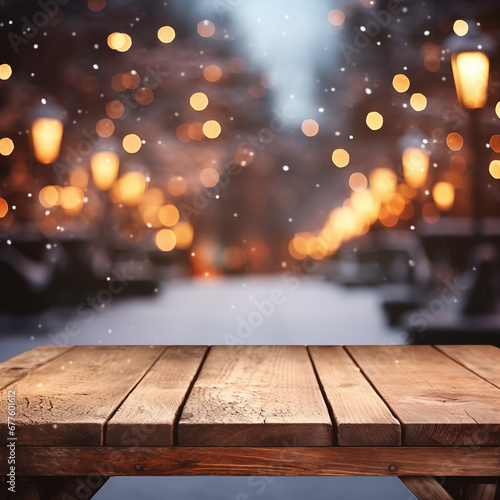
x: 46, y: 133
x: 130, y: 188
x: 104, y: 166
x: 415, y: 158
x: 470, y: 65
x: 415, y: 166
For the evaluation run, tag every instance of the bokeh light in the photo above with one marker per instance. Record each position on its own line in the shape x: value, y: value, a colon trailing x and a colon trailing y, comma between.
x: 495, y: 169
x: 79, y: 177
x: 119, y: 41
x: 96, y: 5
x: 131, y: 80
x: 415, y: 166
x: 454, y: 141
x: 5, y: 71
x: 166, y: 34
x: 144, y: 96
x: 340, y: 158
x: 115, y: 109
x: 460, y: 27
x: 72, y: 201
x: 443, y: 194
x: 50, y: 196
x: 212, y: 73
x: 130, y: 188
x: 358, y: 182
x: 104, y: 166
x: 418, y: 101
x: 6, y: 146
x: 198, y: 101
x: 336, y: 17
x: 105, y: 127
x: 374, y: 120
x: 298, y: 246
x: 177, y: 185
x: 132, y: 143
x: 383, y: 183
x: 495, y: 143
x: 46, y: 134
x: 310, y: 127
x: 211, y: 129
x: 184, y: 234
x: 209, y: 177
x: 401, y: 83
x: 206, y: 28
x: 168, y: 215
x: 165, y: 240
x: 4, y: 208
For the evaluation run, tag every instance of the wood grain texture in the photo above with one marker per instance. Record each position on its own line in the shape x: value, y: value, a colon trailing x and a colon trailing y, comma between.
x: 148, y: 415
x: 15, y: 368
x: 481, y: 359
x: 68, y: 400
x: 438, y: 402
x: 250, y: 461
x: 361, y: 417
x: 425, y: 488
x: 256, y: 396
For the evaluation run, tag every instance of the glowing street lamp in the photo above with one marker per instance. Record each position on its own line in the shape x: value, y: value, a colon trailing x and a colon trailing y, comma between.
x: 415, y: 167
x: 415, y: 158
x: 383, y: 183
x: 104, y: 167
x: 471, y: 72
x: 470, y: 65
x: 130, y: 188
x: 46, y: 133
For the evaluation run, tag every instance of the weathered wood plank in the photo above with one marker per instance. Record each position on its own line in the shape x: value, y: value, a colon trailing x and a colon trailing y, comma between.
x: 481, y: 359
x: 361, y: 417
x: 425, y: 487
x: 68, y: 400
x: 256, y: 396
x: 17, y: 367
x: 147, y: 416
x: 438, y: 402
x: 250, y: 461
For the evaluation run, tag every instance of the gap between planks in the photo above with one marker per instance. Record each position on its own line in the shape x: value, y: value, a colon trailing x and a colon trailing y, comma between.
x: 26, y: 371
x: 393, y: 413
x: 188, y: 393
x: 105, y: 424
x: 325, y: 399
x: 442, y: 351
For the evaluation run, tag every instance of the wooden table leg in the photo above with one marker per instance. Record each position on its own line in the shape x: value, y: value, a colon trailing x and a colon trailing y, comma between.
x: 55, y: 488
x: 453, y: 488
x: 425, y: 488
x: 479, y: 490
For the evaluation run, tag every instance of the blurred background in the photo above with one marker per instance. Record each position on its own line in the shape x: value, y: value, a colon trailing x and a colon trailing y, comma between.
x: 166, y: 166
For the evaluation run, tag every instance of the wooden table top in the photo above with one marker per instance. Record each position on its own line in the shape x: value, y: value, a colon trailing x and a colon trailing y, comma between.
x: 255, y: 396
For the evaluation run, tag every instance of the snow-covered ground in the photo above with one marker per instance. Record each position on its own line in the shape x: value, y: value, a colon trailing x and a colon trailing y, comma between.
x: 280, y: 309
